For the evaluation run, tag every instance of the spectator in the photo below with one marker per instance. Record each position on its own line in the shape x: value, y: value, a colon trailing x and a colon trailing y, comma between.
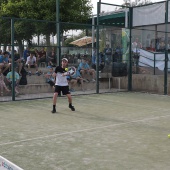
x: 79, y: 80
x: 78, y: 58
x: 23, y: 79
x: 49, y: 77
x: 2, y: 83
x: 17, y: 61
x: 84, y: 68
x: 16, y: 80
x: 136, y: 46
x: 52, y: 58
x: 26, y: 53
x: 4, y: 62
x: 101, y: 62
x: 31, y: 63
x: 94, y: 57
x: 9, y: 50
x: 72, y: 83
x: 36, y: 53
x: 108, y: 55
x: 41, y: 56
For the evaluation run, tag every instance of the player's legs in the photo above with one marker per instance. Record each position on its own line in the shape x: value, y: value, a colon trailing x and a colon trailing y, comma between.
x: 92, y: 72
x: 82, y: 83
x: 72, y: 82
x: 82, y: 72
x: 1, y: 87
x: 6, y: 67
x: 70, y: 102
x: 20, y: 65
x: 65, y: 91
x: 5, y: 87
x: 55, y: 98
x: 56, y: 92
x: 54, y: 102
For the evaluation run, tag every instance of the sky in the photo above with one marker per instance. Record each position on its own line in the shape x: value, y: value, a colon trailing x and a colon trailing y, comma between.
x: 118, y: 2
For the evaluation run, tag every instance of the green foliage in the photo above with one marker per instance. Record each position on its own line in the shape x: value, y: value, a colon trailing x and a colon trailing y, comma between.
x: 76, y: 11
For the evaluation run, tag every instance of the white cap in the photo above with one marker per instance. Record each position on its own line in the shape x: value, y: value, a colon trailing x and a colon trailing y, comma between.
x: 65, y: 59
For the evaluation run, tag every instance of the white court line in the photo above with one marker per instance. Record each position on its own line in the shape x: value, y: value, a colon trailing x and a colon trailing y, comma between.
x: 134, y: 105
x: 84, y: 130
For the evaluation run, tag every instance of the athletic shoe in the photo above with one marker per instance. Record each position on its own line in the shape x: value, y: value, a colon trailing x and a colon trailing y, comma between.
x: 71, y: 107
x: 29, y: 73
x: 93, y: 80
x: 72, y: 90
x: 16, y: 94
x: 38, y: 73
x: 53, y: 111
x: 86, y: 80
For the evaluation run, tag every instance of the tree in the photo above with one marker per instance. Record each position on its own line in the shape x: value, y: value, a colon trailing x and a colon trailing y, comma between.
x: 77, y: 11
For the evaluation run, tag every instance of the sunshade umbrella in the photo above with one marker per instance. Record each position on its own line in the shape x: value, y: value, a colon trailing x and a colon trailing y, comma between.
x: 83, y: 41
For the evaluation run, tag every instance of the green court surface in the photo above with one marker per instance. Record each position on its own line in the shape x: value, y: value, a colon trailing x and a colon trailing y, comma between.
x: 112, y: 131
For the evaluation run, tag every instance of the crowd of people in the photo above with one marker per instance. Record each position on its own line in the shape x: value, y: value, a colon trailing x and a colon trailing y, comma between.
x: 32, y: 59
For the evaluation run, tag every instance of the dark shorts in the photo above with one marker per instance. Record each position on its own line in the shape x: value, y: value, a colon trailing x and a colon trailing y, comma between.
x: 15, y: 84
x: 64, y: 89
x: 31, y: 66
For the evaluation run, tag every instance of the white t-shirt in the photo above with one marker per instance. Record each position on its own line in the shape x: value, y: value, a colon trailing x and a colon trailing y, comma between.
x: 60, y: 79
x: 30, y: 60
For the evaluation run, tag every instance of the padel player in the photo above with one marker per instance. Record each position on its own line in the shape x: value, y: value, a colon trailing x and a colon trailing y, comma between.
x: 61, y: 84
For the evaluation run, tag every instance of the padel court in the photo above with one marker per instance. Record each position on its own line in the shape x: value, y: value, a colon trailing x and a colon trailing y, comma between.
x: 110, y: 131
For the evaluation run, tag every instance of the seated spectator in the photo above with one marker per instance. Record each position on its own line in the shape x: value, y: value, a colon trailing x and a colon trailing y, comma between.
x: 101, y: 62
x: 36, y: 53
x: 16, y: 80
x: 17, y: 61
x: 84, y: 68
x: 23, y: 79
x: 26, y: 54
x: 9, y: 50
x: 31, y: 63
x: 78, y: 58
x: 79, y: 80
x: 72, y: 83
x: 2, y: 83
x: 52, y: 58
x: 94, y: 57
x: 108, y: 54
x: 41, y: 56
x: 50, y: 79
x: 4, y: 62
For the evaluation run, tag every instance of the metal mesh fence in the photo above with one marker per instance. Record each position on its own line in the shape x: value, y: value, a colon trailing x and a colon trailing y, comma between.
x: 32, y: 52
x: 130, y: 44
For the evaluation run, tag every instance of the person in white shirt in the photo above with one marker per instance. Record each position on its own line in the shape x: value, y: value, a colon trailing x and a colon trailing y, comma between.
x: 61, y: 84
x: 31, y: 62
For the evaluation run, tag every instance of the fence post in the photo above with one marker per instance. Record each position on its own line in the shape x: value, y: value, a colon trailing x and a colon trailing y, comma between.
x: 166, y: 51
x: 12, y: 57
x: 154, y: 64
x: 58, y: 31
